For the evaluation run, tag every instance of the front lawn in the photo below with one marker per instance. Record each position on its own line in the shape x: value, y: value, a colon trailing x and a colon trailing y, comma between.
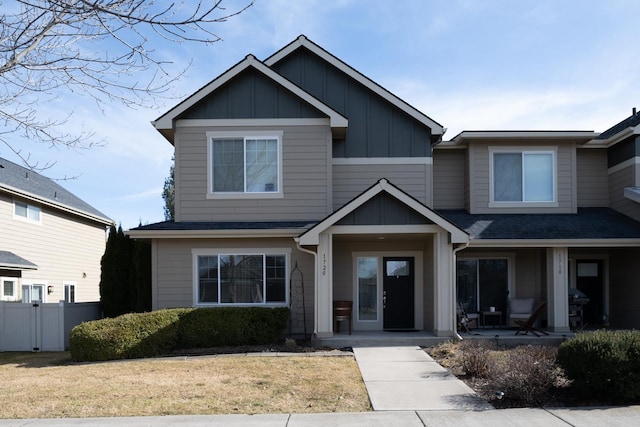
x: 44, y: 385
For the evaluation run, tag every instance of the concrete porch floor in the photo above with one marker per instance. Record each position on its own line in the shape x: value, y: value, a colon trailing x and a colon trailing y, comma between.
x: 501, y: 337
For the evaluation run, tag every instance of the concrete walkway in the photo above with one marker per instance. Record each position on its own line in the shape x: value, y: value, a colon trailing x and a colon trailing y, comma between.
x: 573, y: 417
x: 408, y: 379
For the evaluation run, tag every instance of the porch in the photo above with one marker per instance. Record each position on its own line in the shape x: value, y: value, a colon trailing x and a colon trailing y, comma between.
x: 500, y: 337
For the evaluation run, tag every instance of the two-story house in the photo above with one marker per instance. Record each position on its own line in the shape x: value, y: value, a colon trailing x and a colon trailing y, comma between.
x: 298, y: 176
x: 51, y: 241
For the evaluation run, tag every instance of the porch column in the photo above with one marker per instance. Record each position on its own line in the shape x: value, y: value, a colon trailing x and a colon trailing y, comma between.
x: 444, y: 286
x: 324, y: 288
x: 558, y: 289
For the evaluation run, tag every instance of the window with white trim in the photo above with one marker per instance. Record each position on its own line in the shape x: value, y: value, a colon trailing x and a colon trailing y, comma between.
x: 33, y: 292
x: 26, y: 211
x: 523, y: 176
x: 70, y: 292
x: 241, y: 278
x: 9, y: 288
x: 248, y: 164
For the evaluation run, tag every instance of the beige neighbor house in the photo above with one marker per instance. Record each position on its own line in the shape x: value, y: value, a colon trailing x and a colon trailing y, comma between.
x: 298, y: 180
x: 51, y: 242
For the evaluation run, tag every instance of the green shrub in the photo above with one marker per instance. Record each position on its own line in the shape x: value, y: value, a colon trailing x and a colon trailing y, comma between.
x: 125, y: 337
x: 231, y: 326
x: 137, y: 335
x: 603, y: 363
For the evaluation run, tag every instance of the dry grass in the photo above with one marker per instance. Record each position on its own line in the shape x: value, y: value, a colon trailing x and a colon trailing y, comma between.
x: 49, y: 385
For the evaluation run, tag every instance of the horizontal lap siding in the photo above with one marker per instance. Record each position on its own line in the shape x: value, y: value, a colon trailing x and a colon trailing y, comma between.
x: 351, y: 180
x: 593, y: 189
x: 305, y: 174
x: 63, y: 248
x: 448, y: 179
x: 480, y: 179
x: 174, y: 287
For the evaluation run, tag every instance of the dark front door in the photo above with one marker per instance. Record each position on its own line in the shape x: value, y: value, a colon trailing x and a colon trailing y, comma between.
x: 397, y: 293
x: 589, y: 280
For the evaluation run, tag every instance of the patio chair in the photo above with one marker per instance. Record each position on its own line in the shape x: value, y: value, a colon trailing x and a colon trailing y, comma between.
x: 528, y: 325
x: 342, y: 311
x: 519, y: 309
x: 466, y: 320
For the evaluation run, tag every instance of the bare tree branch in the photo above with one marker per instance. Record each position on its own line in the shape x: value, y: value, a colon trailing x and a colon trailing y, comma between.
x: 100, y: 48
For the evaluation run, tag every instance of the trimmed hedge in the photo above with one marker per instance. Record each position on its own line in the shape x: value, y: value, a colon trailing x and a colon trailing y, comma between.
x: 155, y: 333
x: 603, y: 363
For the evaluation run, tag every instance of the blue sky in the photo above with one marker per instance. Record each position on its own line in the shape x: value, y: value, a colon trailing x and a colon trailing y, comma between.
x: 468, y: 64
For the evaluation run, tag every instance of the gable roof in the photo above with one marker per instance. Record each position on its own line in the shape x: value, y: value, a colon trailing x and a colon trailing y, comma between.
x: 165, y: 123
x: 303, y: 42
x: 11, y: 261
x: 20, y: 181
x: 626, y: 127
x: 604, y: 225
x: 312, y: 236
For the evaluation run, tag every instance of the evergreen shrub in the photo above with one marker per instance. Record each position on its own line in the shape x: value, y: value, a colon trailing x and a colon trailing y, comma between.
x: 137, y: 335
x: 603, y: 364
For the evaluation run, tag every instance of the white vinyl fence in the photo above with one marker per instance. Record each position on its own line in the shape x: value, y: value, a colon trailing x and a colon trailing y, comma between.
x: 42, y: 327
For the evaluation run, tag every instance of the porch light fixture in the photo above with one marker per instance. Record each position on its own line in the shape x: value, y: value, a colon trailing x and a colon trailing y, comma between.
x: 49, y: 289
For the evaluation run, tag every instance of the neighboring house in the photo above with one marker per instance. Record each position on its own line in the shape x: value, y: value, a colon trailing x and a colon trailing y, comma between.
x: 299, y: 171
x: 51, y: 242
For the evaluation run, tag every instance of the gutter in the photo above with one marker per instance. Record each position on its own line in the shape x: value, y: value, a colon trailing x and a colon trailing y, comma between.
x: 315, y: 282
x: 456, y: 335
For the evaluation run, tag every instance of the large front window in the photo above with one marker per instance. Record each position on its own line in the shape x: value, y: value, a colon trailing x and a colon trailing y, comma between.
x: 249, y: 164
x: 526, y: 176
x: 245, y: 279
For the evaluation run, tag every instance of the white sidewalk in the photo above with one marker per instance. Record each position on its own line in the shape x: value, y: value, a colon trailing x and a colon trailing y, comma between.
x: 408, y: 379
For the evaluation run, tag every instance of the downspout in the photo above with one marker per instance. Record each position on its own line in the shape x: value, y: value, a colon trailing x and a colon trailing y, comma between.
x: 315, y: 282
x: 465, y: 245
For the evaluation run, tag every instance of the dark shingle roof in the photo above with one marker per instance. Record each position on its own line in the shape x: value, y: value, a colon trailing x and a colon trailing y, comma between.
x: 202, y: 226
x: 31, y: 183
x: 629, y: 122
x: 11, y: 260
x: 588, y: 223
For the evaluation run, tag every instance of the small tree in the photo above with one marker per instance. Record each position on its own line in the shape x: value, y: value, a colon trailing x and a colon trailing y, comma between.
x: 125, y: 281
x: 169, y: 193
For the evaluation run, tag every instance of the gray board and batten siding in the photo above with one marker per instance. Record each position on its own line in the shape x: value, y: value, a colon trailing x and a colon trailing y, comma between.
x: 376, y: 128
x: 383, y: 209
x: 251, y: 95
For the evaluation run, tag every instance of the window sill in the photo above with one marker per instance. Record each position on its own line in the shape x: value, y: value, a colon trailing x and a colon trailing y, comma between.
x: 244, y: 196
x: 523, y: 205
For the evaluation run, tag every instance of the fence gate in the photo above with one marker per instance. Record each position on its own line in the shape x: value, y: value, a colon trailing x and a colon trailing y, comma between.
x: 41, y: 327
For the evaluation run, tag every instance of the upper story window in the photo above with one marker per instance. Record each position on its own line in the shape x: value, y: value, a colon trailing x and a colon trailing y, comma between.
x: 523, y: 176
x: 26, y: 211
x: 245, y: 165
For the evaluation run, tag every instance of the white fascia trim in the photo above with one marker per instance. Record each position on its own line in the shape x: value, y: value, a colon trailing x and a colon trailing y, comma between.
x: 263, y: 123
x: 382, y: 161
x: 623, y: 165
x: 166, y: 121
x: 613, y: 139
x: 543, y: 243
x: 312, y: 236
x: 356, y: 75
x: 386, y: 229
x: 213, y: 234
x: 525, y: 134
x: 34, y: 198
x: 632, y: 193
